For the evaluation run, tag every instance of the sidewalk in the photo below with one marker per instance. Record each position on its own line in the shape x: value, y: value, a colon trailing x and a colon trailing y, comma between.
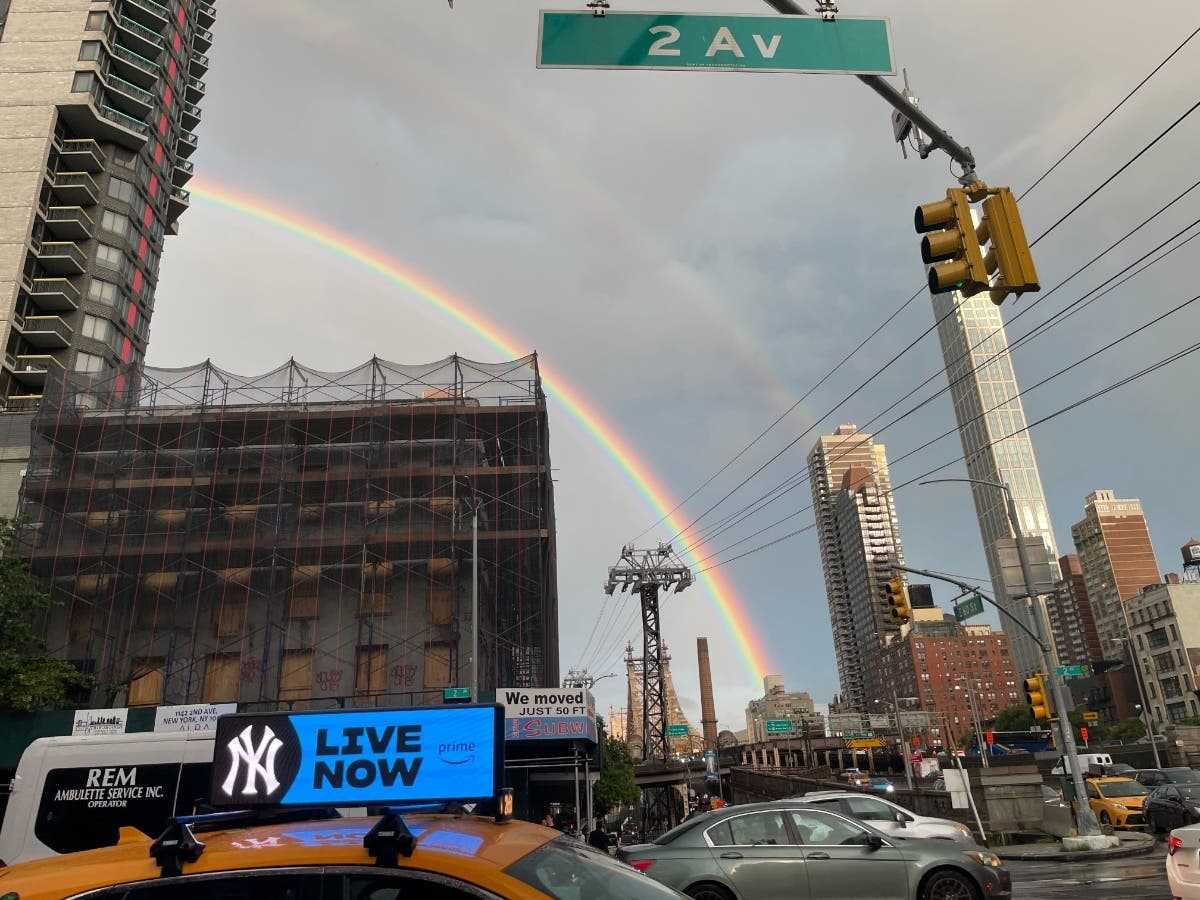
x: 1133, y: 843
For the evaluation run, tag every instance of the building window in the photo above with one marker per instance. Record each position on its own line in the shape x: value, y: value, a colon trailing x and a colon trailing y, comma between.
x: 95, y: 21
x: 370, y: 683
x: 98, y: 329
x: 296, y: 677
x: 88, y: 362
x: 120, y: 189
x: 439, y: 660
x: 101, y: 291
x: 82, y: 83
x: 111, y: 257
x: 221, y: 677
x: 1171, y: 688
x: 89, y: 50
x: 1176, y: 712
x: 146, y: 681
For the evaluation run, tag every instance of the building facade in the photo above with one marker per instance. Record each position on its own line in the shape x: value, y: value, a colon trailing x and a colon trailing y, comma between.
x: 1117, y: 559
x: 99, y: 103
x: 996, y: 446
x: 828, y: 462
x: 779, y: 705
x: 868, y: 542
x: 298, y: 538
x: 1072, y: 623
x: 960, y: 675
x: 1164, y: 622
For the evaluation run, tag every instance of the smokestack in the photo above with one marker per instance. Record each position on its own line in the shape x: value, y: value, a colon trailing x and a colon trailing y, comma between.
x: 708, y: 711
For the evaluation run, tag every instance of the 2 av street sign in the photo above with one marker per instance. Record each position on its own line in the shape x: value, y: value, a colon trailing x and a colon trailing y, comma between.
x: 576, y: 39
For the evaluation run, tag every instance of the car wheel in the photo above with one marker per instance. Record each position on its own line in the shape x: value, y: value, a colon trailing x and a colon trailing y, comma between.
x: 1152, y: 824
x: 1104, y: 819
x: 949, y: 884
x: 708, y: 891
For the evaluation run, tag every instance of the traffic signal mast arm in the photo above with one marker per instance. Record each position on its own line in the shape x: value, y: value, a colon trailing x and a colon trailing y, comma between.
x: 940, y: 139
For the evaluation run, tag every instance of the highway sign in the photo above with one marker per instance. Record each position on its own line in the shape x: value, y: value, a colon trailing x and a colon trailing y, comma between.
x: 857, y: 735
x: 677, y: 731
x: 1070, y: 670
x: 779, y: 726
x: 863, y: 743
x: 972, y: 606
x: 1089, y: 716
x: 576, y: 39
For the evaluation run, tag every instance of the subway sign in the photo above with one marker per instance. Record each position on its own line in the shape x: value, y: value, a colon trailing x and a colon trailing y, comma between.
x: 358, y: 758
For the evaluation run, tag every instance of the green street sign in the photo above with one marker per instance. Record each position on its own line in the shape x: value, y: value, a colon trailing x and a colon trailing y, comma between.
x: 779, y: 726
x: 1070, y: 670
x: 677, y: 731
x: 972, y: 606
x: 576, y: 39
x: 857, y: 735
x: 456, y: 694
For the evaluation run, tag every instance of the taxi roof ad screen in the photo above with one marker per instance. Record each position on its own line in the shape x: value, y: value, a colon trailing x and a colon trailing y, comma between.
x: 359, y: 758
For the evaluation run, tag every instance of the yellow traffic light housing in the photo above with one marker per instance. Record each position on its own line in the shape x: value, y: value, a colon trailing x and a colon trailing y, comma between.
x: 1008, y: 257
x: 896, y: 595
x: 951, y: 245
x: 1039, y: 698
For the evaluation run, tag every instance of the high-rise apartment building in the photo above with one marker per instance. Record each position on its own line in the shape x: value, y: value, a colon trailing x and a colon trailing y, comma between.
x: 1164, y: 622
x: 1117, y: 559
x: 830, y: 459
x: 868, y: 544
x: 1071, y: 620
x: 99, y: 102
x: 996, y: 447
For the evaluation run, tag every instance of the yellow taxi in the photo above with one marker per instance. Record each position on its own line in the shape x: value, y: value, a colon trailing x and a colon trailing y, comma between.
x: 278, y: 783
x: 1117, y: 801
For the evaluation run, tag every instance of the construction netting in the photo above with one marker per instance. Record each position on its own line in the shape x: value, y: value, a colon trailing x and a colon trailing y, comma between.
x: 302, y: 538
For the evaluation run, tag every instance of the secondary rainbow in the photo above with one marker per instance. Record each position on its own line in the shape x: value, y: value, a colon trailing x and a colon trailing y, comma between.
x: 603, y: 433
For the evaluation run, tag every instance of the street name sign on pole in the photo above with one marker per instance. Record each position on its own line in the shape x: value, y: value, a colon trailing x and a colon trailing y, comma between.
x: 577, y: 39
x: 972, y: 606
x: 779, y: 726
x: 1070, y: 670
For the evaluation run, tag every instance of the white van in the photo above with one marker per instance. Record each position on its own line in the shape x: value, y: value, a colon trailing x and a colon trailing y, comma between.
x: 76, y: 793
x: 1086, y: 761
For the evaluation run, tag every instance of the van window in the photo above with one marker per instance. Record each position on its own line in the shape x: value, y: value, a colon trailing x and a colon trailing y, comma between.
x: 84, y: 808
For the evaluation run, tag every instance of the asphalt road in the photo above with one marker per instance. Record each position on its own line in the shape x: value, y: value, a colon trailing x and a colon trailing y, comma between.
x: 1140, y: 877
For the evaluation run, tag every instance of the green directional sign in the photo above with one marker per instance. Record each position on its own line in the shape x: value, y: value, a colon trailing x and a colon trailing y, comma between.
x: 972, y: 606
x: 677, y: 731
x: 857, y: 735
x: 779, y: 726
x: 576, y: 39
x: 1070, y: 670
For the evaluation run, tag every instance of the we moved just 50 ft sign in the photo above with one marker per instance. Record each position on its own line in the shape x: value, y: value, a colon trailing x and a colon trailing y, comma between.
x: 532, y: 714
x: 576, y: 39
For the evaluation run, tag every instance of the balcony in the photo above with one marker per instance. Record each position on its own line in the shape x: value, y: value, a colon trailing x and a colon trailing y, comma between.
x: 125, y: 121
x: 69, y: 223
x: 206, y: 13
x: 182, y: 173
x: 128, y: 97
x: 194, y: 91
x: 55, y: 294
x: 187, y: 144
x: 197, y: 65
x: 83, y: 154
x: 202, y: 40
x: 75, y: 189
x: 132, y: 66
x: 141, y: 40
x: 190, y: 116
x: 62, y: 258
x: 153, y: 15
x: 22, y: 402
x: 178, y: 202
x: 32, y: 368
x: 47, y: 332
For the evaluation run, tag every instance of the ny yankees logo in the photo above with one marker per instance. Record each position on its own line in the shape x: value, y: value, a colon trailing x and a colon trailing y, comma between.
x: 242, y: 751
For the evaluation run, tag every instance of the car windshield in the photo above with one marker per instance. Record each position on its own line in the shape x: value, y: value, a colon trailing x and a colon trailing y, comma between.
x: 1122, y: 789
x: 568, y: 870
x: 1189, y: 791
x: 1183, y: 776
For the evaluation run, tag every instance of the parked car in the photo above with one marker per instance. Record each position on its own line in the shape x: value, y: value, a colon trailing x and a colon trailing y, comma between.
x: 1170, y: 775
x: 1116, y: 801
x: 1120, y: 769
x: 791, y: 849
x: 1172, y: 806
x: 1183, y: 863
x: 881, y: 784
x: 886, y: 816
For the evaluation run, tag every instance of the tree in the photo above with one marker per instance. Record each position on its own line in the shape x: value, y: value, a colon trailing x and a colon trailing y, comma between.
x: 30, y: 679
x: 616, y: 786
x: 1014, y: 718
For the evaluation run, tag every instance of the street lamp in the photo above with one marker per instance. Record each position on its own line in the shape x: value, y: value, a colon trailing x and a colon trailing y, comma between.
x: 1087, y: 819
x: 900, y: 731
x: 976, y: 723
x: 1137, y: 676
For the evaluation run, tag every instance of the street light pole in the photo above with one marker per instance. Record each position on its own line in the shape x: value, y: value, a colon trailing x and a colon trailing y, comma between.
x: 1137, y: 675
x: 976, y: 722
x: 903, y: 745
x: 1086, y: 818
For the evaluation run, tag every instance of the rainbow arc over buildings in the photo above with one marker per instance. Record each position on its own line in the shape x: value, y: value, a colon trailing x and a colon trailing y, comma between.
x: 603, y: 433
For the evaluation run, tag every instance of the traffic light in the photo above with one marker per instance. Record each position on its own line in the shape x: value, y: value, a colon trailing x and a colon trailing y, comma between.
x: 1038, y: 698
x: 1008, y: 258
x: 951, y: 244
x: 896, y: 596
x: 1083, y: 733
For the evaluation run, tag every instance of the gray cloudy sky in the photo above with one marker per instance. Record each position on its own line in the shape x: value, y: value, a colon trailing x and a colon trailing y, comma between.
x: 692, y: 251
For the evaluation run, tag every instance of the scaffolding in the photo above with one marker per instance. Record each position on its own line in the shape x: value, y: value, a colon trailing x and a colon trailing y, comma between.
x: 299, y: 538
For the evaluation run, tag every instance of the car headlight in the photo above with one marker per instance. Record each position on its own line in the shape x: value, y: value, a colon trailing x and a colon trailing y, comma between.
x: 963, y: 832
x: 1120, y: 806
x: 890, y: 788
x: 984, y: 858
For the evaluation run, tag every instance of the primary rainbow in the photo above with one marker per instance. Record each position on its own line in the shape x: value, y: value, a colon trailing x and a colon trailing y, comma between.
x: 637, y: 472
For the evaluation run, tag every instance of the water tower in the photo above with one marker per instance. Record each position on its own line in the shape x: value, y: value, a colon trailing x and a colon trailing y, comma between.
x: 1191, y: 561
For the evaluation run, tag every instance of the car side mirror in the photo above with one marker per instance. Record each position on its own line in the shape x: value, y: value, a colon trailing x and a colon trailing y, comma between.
x: 874, y: 841
x: 901, y: 818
